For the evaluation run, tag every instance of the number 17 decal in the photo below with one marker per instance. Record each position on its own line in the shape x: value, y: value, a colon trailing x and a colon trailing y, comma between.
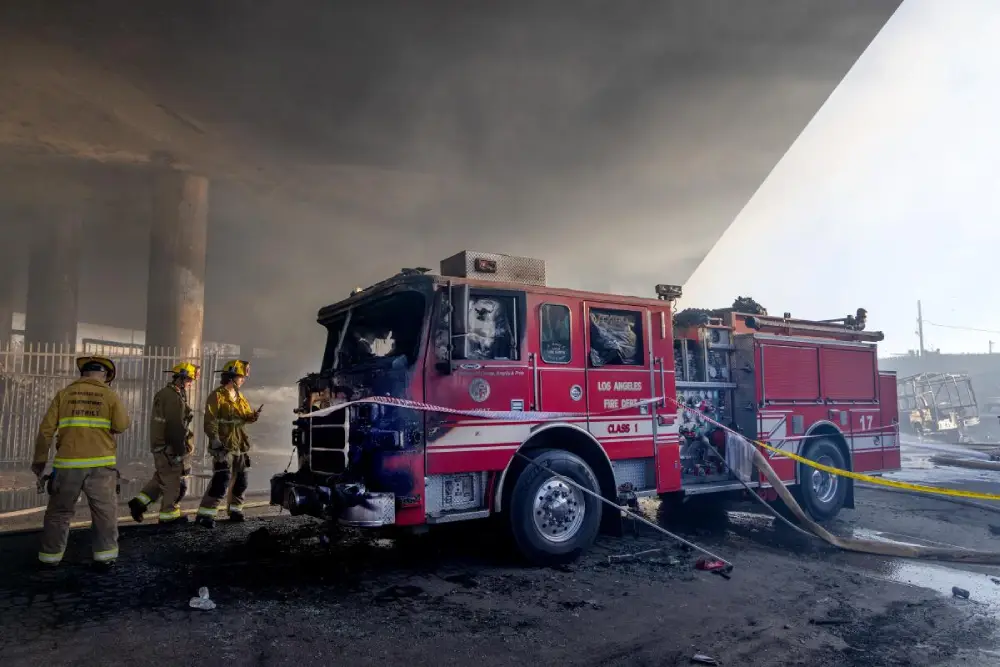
x: 866, y: 422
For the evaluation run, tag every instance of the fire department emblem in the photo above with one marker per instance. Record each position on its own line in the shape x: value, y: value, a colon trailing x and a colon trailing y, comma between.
x: 479, y: 390
x: 576, y: 392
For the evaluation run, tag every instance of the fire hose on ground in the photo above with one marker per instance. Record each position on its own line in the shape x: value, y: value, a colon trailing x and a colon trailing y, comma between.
x: 972, y: 464
x: 850, y: 543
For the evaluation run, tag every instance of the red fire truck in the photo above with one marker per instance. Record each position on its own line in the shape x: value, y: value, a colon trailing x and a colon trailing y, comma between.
x: 487, y: 334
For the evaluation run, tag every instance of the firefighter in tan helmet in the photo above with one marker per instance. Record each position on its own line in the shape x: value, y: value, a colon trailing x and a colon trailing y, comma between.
x: 172, y: 444
x: 83, y: 418
x: 227, y: 413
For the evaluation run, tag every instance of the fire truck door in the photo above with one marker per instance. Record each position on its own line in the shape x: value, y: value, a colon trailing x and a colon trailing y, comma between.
x: 619, y: 379
x: 491, y: 370
x: 560, y: 358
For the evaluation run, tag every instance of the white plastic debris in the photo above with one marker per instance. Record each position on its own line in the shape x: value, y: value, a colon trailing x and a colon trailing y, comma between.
x: 202, y: 601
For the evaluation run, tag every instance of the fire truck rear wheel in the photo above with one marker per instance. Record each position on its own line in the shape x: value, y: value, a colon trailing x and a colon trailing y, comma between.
x: 822, y: 494
x: 554, y: 522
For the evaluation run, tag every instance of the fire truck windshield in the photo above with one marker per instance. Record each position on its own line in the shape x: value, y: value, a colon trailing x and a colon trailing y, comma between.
x: 386, y: 327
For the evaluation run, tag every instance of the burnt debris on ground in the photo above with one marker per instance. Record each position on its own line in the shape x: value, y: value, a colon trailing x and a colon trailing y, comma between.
x: 286, y: 594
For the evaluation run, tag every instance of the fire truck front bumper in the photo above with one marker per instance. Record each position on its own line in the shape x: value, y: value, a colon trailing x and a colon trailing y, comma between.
x: 348, y: 504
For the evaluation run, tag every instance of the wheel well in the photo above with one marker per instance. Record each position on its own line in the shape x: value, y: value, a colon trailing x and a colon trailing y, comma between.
x: 832, y: 433
x: 576, y: 441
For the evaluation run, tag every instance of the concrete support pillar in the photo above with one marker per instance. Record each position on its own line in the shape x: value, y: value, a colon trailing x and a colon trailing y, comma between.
x: 53, y: 279
x: 175, y: 304
x: 9, y: 266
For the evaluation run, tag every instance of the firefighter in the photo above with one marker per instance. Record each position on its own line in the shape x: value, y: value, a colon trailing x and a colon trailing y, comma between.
x: 83, y: 418
x: 226, y: 415
x: 172, y: 444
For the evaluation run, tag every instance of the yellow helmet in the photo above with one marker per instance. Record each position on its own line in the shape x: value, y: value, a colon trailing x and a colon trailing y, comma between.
x: 185, y: 370
x: 236, y: 367
x: 91, y: 362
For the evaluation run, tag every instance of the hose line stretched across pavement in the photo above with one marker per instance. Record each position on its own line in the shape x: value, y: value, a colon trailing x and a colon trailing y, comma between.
x: 869, y: 546
x: 851, y: 543
x: 971, y: 464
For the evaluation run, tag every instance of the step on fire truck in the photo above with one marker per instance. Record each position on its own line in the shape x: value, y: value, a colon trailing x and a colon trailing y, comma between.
x: 487, y: 334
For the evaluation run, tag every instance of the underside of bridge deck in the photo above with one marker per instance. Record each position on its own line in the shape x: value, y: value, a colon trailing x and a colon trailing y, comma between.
x: 342, y: 141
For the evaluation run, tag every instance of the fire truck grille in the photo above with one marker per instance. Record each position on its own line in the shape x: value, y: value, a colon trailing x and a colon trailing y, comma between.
x: 328, y: 438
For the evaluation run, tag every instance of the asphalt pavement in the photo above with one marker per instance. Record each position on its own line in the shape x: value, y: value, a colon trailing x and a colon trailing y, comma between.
x: 289, y: 593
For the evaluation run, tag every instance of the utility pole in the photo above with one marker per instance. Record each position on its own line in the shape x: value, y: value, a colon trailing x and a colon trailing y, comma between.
x: 991, y: 347
x: 920, y: 327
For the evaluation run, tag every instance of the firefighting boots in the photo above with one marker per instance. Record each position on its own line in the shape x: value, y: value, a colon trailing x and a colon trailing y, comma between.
x: 236, y: 517
x: 179, y: 522
x: 205, y: 521
x: 137, y: 509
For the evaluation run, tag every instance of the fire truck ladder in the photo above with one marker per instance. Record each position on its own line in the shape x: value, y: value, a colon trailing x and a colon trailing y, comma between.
x: 787, y: 326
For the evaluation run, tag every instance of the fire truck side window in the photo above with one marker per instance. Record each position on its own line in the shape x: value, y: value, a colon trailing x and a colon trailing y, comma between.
x: 555, y: 326
x: 492, y: 328
x: 615, y: 338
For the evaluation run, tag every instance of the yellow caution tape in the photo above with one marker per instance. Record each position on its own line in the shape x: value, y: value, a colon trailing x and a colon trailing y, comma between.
x: 879, y: 480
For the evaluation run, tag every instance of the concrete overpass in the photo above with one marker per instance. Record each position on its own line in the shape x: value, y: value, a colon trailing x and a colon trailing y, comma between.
x: 241, y: 163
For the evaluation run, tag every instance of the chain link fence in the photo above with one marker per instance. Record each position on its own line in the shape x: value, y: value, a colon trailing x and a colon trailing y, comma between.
x: 31, y: 375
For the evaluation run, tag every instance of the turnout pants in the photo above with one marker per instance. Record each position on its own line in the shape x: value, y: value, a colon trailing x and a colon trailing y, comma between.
x: 233, y: 467
x: 169, y: 485
x: 100, y: 486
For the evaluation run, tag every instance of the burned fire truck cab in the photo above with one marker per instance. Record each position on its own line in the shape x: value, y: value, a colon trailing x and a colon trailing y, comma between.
x: 391, y: 430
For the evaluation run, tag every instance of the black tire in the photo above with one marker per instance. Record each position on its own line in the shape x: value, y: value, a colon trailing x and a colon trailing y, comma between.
x: 545, y: 542
x: 815, y: 494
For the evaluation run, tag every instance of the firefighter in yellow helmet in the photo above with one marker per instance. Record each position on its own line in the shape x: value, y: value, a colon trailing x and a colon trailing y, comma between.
x: 83, y: 418
x: 227, y: 412
x: 172, y: 444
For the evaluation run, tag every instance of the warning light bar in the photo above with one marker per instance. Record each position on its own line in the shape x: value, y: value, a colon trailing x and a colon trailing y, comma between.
x: 483, y: 265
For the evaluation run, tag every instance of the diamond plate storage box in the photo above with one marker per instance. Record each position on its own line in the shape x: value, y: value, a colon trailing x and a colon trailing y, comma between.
x: 494, y: 267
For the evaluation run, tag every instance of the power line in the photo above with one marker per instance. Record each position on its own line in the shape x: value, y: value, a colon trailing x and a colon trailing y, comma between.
x: 951, y: 326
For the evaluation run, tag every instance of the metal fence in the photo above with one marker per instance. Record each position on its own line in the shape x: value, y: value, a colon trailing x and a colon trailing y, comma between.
x: 30, y: 376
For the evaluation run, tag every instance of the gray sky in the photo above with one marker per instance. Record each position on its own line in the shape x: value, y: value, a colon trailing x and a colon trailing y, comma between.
x: 890, y: 195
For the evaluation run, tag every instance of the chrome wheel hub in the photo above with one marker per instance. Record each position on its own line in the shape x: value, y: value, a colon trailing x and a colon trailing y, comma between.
x: 823, y: 483
x: 558, y: 511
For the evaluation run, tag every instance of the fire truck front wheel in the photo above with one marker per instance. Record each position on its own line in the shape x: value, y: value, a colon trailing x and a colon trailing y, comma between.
x: 822, y: 494
x: 554, y: 522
